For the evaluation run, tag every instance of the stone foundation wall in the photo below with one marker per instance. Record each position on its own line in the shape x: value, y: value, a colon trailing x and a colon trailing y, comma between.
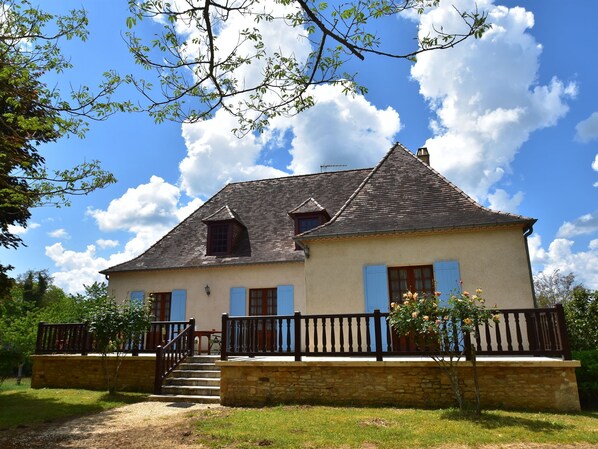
x: 76, y: 371
x: 534, y: 385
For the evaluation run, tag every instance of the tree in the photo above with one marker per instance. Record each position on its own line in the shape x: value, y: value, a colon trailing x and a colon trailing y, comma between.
x: 32, y: 114
x: 581, y: 314
x: 553, y: 288
x: 445, y: 332
x: 116, y: 329
x: 201, y: 71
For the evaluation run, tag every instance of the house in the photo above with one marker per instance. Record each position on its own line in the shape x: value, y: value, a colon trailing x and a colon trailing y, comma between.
x: 336, y: 242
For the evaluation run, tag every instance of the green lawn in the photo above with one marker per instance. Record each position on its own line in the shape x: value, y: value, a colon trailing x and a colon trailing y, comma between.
x: 329, y: 427
x: 20, y: 405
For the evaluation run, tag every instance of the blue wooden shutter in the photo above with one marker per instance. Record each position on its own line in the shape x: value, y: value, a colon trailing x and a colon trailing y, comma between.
x: 448, y: 279
x: 375, y: 281
x: 138, y: 296
x: 178, y: 305
x: 285, y: 306
x: 448, y: 282
x: 237, y: 301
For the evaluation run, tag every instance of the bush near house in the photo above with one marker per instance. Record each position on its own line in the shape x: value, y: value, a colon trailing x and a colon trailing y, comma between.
x: 587, y: 378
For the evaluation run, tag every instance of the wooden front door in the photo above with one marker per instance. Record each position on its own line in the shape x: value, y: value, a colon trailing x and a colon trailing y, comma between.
x: 263, y: 302
x: 401, y: 280
x: 161, y: 312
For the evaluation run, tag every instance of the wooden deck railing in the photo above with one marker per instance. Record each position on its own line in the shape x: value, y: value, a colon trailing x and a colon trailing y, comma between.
x: 76, y: 338
x: 172, y: 353
x: 520, y: 332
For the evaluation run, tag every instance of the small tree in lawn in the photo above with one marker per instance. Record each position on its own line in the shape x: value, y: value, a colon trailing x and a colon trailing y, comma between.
x: 446, y: 330
x: 117, y: 328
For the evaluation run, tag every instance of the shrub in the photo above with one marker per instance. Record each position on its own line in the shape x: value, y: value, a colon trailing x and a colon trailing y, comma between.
x: 587, y: 378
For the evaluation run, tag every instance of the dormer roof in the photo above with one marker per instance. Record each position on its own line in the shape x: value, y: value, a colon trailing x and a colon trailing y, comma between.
x: 309, y: 206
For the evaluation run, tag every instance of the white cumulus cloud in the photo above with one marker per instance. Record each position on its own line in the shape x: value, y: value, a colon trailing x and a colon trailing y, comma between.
x: 60, y: 233
x: 595, y: 163
x: 147, y: 212
x: 500, y: 200
x: 587, y: 130
x: 107, y: 243
x: 560, y: 256
x: 586, y: 224
x: 485, y: 95
x: 22, y: 230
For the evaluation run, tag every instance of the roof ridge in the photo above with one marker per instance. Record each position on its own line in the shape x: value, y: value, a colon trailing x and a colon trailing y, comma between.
x: 354, y: 194
x: 297, y: 176
x: 459, y: 190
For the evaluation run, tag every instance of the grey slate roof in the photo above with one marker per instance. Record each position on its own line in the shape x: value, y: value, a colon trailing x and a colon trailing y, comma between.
x: 308, y: 206
x: 262, y: 207
x: 400, y: 194
x: 403, y: 194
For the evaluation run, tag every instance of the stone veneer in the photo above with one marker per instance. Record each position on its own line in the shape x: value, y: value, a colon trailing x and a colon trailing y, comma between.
x: 76, y: 371
x: 535, y: 385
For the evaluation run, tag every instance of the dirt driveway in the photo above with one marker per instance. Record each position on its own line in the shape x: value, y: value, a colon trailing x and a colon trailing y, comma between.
x: 144, y: 425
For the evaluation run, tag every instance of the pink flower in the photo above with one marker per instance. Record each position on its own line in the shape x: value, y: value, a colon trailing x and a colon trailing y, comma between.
x: 414, y: 314
x: 437, y: 294
x: 426, y: 317
x: 466, y: 294
x: 438, y: 322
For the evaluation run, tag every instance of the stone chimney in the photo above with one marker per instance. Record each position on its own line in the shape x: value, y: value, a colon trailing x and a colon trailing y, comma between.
x: 423, y: 155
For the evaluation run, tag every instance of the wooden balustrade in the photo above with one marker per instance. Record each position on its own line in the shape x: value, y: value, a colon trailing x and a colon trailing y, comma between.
x: 76, y: 338
x: 530, y: 332
x: 172, y: 353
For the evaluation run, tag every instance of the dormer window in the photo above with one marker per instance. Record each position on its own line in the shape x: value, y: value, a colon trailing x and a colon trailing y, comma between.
x: 307, y: 216
x: 224, y: 229
x: 219, y: 241
x: 304, y: 223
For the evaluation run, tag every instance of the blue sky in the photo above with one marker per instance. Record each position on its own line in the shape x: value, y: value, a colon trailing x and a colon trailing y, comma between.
x: 512, y: 119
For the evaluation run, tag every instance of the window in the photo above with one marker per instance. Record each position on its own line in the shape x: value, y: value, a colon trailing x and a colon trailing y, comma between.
x: 262, y: 301
x: 219, y: 239
x: 307, y: 223
x: 418, y: 279
x: 161, y: 306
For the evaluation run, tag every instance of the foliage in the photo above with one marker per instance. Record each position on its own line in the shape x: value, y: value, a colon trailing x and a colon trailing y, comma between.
x: 31, y: 114
x: 553, y: 288
x: 20, y: 315
x: 581, y: 315
x: 445, y: 329
x: 116, y: 328
x: 587, y: 378
x: 24, y: 406
x: 255, y: 79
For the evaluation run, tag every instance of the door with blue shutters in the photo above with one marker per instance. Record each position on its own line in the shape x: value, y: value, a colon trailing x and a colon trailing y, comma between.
x: 263, y: 302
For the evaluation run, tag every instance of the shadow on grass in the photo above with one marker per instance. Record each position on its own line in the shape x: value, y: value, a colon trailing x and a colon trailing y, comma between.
x: 491, y: 420
x: 31, y: 407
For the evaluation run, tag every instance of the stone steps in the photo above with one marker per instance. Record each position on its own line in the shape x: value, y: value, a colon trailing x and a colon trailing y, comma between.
x: 196, y: 380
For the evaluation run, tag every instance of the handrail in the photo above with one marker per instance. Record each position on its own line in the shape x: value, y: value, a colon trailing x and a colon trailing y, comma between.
x: 520, y: 332
x: 76, y: 338
x: 172, y: 353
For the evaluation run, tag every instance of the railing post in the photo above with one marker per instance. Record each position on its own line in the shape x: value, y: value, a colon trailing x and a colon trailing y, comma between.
x: 467, y: 344
x: 562, y: 328
x: 40, y: 334
x: 86, y: 339
x: 159, y: 371
x: 297, y: 321
x: 224, y: 337
x: 192, y: 337
x: 378, y: 334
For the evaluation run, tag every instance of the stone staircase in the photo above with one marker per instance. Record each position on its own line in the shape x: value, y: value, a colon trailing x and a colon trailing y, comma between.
x: 197, y: 379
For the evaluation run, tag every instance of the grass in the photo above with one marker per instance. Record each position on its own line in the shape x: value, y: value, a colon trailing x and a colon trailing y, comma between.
x: 22, y: 406
x: 326, y: 427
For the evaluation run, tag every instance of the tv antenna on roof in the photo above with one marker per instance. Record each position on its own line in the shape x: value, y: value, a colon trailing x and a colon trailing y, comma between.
x: 325, y: 167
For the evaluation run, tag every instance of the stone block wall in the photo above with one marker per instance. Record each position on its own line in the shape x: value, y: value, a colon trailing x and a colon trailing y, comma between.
x: 76, y: 371
x: 533, y: 385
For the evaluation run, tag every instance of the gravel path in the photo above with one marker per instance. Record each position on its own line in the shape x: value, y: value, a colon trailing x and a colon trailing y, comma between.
x: 155, y: 425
